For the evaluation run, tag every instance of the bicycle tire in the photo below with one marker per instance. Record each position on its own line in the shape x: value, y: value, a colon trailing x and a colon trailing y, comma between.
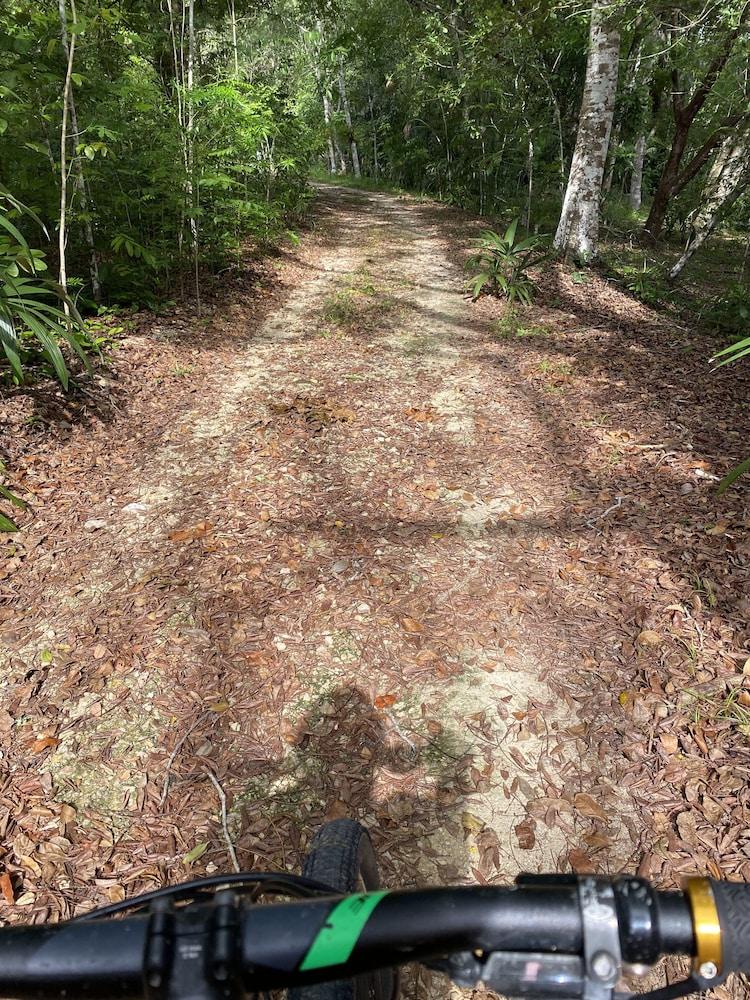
x: 341, y: 856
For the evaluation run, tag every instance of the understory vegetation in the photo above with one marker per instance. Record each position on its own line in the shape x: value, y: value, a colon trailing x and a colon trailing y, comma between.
x: 144, y: 151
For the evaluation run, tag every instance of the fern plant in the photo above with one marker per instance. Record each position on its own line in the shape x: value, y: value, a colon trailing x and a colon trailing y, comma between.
x: 501, y: 265
x: 33, y: 319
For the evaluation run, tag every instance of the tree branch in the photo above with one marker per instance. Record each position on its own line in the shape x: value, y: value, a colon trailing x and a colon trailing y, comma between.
x: 714, y: 70
x: 699, y: 159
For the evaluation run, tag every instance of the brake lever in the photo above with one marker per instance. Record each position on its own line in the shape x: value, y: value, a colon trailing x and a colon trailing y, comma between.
x: 517, y: 974
x: 542, y: 976
x: 695, y: 983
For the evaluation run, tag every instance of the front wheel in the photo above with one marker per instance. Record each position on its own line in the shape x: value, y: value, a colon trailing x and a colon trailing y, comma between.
x: 342, y: 857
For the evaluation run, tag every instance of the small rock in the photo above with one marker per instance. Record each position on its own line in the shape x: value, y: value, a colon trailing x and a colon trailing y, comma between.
x: 686, y: 488
x: 94, y: 524
x: 340, y: 565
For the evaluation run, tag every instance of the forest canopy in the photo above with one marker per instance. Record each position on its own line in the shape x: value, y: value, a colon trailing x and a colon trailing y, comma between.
x: 157, y: 140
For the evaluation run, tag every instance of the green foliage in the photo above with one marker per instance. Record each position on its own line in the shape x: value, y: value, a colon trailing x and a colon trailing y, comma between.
x: 33, y: 320
x: 727, y: 356
x: 160, y: 174
x: 6, y: 523
x: 646, y: 283
x: 735, y: 352
x: 619, y: 217
x: 502, y: 262
x: 729, y: 312
x: 510, y: 326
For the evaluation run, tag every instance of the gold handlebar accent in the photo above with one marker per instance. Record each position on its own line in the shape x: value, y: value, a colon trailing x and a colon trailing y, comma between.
x: 706, y: 926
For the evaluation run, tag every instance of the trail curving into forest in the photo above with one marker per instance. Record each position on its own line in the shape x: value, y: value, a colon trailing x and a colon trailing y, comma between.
x: 348, y: 575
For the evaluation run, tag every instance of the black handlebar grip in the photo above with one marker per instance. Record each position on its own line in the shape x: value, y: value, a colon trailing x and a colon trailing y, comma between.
x: 733, y: 905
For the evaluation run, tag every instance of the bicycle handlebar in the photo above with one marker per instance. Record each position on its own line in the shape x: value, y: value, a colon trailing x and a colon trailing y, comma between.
x: 544, y: 935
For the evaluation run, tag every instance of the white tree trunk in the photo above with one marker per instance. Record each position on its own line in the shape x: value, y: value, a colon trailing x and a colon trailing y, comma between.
x: 726, y: 181
x: 192, y: 179
x: 375, y: 156
x: 83, y: 191
x: 317, y: 67
x: 578, y: 230
x: 327, y: 120
x: 530, y: 186
x: 636, y: 178
x: 63, y: 231
x: 235, y: 50
x: 348, y: 117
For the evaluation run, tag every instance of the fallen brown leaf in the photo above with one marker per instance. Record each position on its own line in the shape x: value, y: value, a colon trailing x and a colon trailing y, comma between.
x: 385, y: 700
x: 526, y: 833
x: 588, y: 806
x: 6, y: 888
x: 45, y: 743
x: 411, y: 625
x: 581, y: 863
x: 669, y: 742
x: 199, y: 530
x: 650, y: 638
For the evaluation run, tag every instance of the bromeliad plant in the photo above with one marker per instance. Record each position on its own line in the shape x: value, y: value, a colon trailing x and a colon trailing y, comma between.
x: 36, y: 314
x: 501, y: 265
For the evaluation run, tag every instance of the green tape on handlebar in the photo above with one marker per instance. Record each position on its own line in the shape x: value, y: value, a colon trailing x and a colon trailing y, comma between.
x: 335, y: 941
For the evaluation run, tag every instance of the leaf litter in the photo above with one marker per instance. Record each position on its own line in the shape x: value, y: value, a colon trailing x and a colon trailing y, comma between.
x: 385, y: 574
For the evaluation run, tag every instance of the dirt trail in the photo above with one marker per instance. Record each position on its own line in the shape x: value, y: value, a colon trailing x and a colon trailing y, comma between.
x: 314, y: 596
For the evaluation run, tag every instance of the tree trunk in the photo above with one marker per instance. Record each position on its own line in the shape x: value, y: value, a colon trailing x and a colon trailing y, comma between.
x: 63, y: 232
x: 315, y: 59
x: 375, y: 156
x: 609, y: 174
x: 726, y: 181
x: 343, y: 166
x: 672, y: 181
x: 96, y: 289
x: 192, y: 164
x: 329, y: 131
x: 633, y: 65
x: 668, y: 180
x: 348, y: 117
x: 235, y: 51
x: 530, y: 185
x: 578, y: 230
x: 636, y: 178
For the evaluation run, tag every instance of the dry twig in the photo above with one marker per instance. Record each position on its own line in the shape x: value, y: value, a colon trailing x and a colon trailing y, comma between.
x: 224, y: 825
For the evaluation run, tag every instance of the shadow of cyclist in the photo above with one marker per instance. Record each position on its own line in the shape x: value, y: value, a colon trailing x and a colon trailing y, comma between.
x: 350, y: 755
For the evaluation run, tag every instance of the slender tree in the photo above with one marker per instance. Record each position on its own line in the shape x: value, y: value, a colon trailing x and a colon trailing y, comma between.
x: 636, y: 177
x: 192, y: 161
x: 354, y: 151
x: 235, y: 49
x: 578, y: 229
x: 674, y: 177
x: 81, y: 184
x: 63, y: 222
x: 726, y: 181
